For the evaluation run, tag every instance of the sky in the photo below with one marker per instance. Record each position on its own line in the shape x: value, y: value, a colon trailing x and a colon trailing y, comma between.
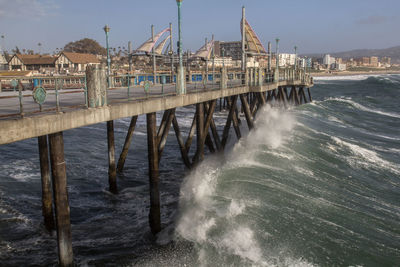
x: 314, y: 26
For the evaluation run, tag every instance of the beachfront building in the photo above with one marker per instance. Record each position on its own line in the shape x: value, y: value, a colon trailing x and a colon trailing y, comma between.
x: 231, y: 49
x: 386, y: 61
x: 3, y: 62
x: 374, y: 62
x: 365, y: 61
x: 340, y: 67
x: 286, y: 59
x: 328, y: 60
x: 31, y: 62
x: 75, y: 62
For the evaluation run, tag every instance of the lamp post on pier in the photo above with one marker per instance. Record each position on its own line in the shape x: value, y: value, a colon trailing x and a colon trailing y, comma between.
x: 107, y: 30
x: 223, y: 57
x: 277, y: 60
x: 295, y: 57
x: 305, y: 67
x: 180, y: 79
x: 213, y: 59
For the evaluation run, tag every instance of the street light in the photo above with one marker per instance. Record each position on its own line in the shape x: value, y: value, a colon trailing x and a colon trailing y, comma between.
x: 213, y: 59
x: 223, y: 57
x: 295, y: 57
x: 180, y: 84
x: 277, y: 60
x: 107, y: 30
x: 171, y: 54
x: 305, y: 66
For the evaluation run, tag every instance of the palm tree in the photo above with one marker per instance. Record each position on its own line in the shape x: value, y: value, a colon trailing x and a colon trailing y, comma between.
x: 40, y: 45
x: 2, y: 42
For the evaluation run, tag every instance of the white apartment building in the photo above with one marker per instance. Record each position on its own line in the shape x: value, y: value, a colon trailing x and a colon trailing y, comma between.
x: 328, y: 60
x: 341, y: 67
x: 286, y: 59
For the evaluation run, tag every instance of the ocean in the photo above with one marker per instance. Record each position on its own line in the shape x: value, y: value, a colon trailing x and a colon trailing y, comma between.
x: 314, y: 185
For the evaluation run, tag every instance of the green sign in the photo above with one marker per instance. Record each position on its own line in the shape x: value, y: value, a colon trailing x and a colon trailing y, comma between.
x: 14, y: 83
x: 39, y: 95
x: 146, y: 86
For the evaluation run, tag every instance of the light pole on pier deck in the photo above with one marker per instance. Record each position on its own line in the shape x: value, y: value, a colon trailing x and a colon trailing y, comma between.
x: 305, y: 67
x: 171, y: 53
x: 181, y: 83
x: 243, y: 39
x: 213, y: 58
x: 107, y: 30
x: 295, y: 57
x: 223, y: 57
x: 154, y: 56
x: 277, y: 60
x: 206, y: 78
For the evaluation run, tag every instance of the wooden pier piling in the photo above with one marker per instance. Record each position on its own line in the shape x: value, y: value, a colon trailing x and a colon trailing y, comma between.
x: 230, y: 119
x: 296, y: 96
x: 247, y: 112
x: 47, y: 199
x: 309, y: 94
x: 112, y: 172
x: 199, y: 156
x: 125, y: 149
x: 283, y: 97
x: 162, y: 137
x: 154, y: 214
x: 60, y: 192
x: 182, y: 147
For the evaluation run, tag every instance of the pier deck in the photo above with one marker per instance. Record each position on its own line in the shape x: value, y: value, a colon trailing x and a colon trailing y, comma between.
x: 75, y: 114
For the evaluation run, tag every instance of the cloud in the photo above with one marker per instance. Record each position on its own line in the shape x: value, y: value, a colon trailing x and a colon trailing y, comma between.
x: 26, y: 8
x: 372, y: 20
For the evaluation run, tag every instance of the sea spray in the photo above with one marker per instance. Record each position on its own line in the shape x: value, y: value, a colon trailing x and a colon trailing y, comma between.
x: 211, y: 214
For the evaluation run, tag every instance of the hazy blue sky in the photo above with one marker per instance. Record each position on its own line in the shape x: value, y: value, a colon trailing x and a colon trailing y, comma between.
x: 313, y: 25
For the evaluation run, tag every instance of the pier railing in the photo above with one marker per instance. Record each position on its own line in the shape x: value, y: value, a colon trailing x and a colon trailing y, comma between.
x: 23, y: 96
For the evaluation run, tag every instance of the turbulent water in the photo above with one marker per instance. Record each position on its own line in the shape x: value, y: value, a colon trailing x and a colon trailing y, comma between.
x: 317, y: 185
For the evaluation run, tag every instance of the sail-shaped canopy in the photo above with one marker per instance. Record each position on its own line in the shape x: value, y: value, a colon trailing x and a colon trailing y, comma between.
x: 254, y: 44
x: 205, y: 51
x: 150, y: 43
x: 160, y: 46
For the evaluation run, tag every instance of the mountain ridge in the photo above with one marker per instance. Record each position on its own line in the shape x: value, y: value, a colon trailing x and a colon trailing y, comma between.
x: 392, y: 52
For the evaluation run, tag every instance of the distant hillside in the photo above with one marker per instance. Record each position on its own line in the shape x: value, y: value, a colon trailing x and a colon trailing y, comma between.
x: 393, y: 52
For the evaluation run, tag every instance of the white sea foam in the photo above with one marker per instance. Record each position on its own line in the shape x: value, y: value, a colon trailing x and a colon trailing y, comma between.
x: 22, y: 170
x: 363, y: 108
x: 366, y: 157
x: 242, y: 242
x: 304, y: 171
x: 359, y: 77
x: 235, y: 208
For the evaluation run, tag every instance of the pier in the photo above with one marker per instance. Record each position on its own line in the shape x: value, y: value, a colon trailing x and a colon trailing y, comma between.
x: 248, y: 94
x: 104, y: 97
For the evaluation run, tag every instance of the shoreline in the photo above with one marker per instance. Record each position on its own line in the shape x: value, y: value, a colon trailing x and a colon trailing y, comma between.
x: 352, y: 73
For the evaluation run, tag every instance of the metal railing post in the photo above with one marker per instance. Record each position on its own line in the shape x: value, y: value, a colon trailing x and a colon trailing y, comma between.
x: 21, y: 107
x: 129, y: 84
x: 57, y: 97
